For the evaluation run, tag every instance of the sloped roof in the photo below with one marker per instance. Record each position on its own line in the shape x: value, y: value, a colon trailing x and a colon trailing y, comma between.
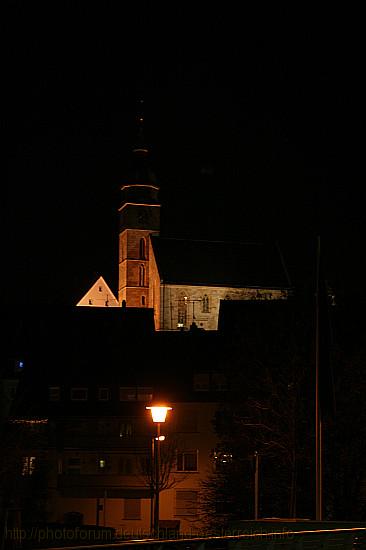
x: 219, y: 263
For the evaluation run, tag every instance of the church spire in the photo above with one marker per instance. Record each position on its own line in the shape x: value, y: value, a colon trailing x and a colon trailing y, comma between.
x: 140, y: 146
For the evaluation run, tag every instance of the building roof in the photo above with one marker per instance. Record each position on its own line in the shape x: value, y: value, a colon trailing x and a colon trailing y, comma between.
x: 220, y: 263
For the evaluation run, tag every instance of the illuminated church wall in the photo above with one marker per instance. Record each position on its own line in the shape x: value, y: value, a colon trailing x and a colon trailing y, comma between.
x: 181, y: 305
x: 133, y: 285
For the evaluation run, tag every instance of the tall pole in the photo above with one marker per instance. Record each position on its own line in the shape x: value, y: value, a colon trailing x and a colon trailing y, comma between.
x: 152, y: 499
x: 157, y: 481
x: 318, y: 419
x: 256, y: 485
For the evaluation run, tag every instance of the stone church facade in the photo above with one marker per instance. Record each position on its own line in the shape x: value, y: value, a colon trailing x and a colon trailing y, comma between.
x: 184, y: 281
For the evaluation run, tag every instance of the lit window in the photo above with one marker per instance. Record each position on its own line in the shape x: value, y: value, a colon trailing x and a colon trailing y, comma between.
x: 54, y: 393
x: 142, y: 275
x: 205, y: 304
x: 187, y: 462
x: 102, y: 463
x: 142, y: 249
x: 103, y: 394
x: 186, y: 503
x: 28, y: 465
x: 132, y: 508
x: 19, y: 365
x: 79, y: 394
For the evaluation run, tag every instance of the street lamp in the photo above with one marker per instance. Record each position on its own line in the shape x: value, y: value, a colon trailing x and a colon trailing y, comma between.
x: 158, y: 414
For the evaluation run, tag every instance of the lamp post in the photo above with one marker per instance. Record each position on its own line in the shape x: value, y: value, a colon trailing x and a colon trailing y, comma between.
x: 158, y: 414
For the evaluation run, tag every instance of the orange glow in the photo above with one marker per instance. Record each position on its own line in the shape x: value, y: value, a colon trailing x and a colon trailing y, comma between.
x: 136, y: 204
x: 139, y: 185
x: 159, y: 412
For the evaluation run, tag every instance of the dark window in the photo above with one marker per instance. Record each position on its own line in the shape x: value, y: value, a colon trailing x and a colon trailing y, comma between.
x: 104, y: 394
x: 74, y: 465
x: 143, y: 300
x: 100, y: 289
x: 105, y: 426
x: 125, y: 429
x: 132, y: 508
x: 127, y: 394
x: 144, y: 394
x: 54, y: 393
x: 186, y: 503
x: 142, y: 249
x: 125, y: 465
x: 187, y: 461
x: 79, y: 394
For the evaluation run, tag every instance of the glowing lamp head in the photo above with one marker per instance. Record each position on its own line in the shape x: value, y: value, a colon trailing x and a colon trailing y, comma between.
x: 159, y: 412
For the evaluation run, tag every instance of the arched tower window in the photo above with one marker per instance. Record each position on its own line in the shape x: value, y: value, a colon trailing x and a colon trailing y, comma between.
x: 142, y: 275
x: 205, y: 304
x: 142, y: 249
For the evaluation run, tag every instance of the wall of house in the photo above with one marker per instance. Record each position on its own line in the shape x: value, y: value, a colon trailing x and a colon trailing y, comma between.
x: 180, y: 305
x: 77, y: 484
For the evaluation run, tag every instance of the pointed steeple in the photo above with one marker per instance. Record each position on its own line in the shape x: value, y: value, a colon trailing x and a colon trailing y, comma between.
x: 140, y: 170
x: 140, y: 144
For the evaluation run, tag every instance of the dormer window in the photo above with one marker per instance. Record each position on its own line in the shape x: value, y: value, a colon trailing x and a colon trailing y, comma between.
x: 142, y: 249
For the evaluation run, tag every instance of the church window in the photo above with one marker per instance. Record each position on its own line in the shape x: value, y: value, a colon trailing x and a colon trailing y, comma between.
x: 182, y: 311
x: 205, y: 304
x: 142, y: 249
x: 100, y: 289
x: 142, y: 276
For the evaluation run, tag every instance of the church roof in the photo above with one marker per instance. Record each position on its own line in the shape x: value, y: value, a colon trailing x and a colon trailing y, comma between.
x: 219, y: 263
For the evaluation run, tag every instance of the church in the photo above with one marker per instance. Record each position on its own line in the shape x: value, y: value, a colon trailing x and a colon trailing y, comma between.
x: 182, y: 280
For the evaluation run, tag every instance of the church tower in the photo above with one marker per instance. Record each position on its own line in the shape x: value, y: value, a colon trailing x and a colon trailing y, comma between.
x: 139, y: 216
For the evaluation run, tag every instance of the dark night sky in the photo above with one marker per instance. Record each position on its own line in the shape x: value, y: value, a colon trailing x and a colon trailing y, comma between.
x: 255, y: 121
